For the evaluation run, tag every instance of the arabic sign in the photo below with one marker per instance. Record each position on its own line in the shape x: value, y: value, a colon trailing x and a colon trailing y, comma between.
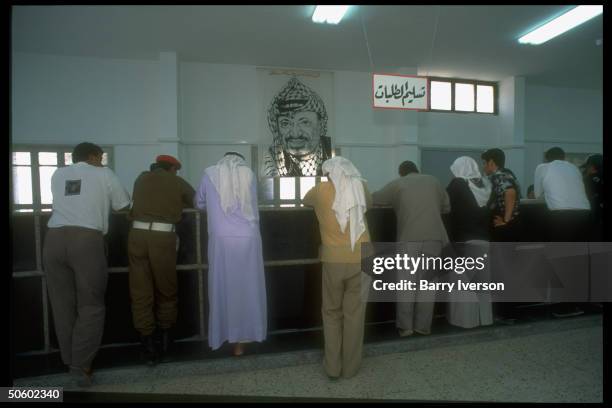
x: 392, y: 91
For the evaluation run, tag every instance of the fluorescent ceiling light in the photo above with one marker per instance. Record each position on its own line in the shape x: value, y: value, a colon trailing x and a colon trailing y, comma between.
x: 561, y: 24
x: 329, y: 14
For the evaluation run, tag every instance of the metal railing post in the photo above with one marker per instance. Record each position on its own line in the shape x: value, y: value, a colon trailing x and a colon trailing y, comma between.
x: 43, y: 281
x: 200, y: 275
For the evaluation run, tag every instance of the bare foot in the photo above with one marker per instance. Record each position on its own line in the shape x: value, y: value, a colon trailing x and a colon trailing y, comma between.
x: 238, y: 349
x: 83, y: 377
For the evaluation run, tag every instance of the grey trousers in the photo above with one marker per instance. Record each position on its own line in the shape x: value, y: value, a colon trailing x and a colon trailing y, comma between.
x: 76, y: 270
x: 414, y: 309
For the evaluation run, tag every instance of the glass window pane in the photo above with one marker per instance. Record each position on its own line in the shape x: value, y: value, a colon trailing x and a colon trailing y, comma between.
x: 306, y: 183
x: 440, y: 95
x: 105, y: 159
x: 266, y: 189
x: 287, y: 188
x: 464, y: 97
x: 22, y: 158
x: 47, y: 158
x: 68, y: 159
x: 24, y: 210
x: 484, y: 96
x: 22, y: 185
x: 45, y: 184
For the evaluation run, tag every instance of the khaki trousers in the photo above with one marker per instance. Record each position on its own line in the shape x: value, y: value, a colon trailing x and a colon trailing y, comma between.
x: 414, y: 309
x: 343, y: 313
x: 76, y: 270
x: 153, y: 279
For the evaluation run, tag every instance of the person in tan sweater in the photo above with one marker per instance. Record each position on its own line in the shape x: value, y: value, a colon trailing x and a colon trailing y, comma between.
x: 340, y: 206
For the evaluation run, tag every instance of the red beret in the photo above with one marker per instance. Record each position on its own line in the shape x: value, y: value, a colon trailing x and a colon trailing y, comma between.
x: 168, y: 159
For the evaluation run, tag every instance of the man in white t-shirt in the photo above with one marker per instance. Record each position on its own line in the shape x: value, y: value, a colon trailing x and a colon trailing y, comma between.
x: 561, y: 185
x: 74, y: 257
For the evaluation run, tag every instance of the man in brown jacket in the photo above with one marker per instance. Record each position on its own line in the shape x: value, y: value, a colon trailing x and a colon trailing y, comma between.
x: 159, y: 199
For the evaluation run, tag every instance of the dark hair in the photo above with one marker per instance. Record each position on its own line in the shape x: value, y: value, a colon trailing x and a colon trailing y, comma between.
x: 235, y: 154
x: 530, y: 189
x: 595, y: 160
x: 554, y: 153
x: 82, y: 152
x: 406, y: 168
x: 497, y: 155
x: 154, y: 166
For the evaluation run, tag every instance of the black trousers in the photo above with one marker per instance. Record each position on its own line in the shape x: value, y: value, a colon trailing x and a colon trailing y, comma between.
x: 570, y: 225
x: 511, y: 232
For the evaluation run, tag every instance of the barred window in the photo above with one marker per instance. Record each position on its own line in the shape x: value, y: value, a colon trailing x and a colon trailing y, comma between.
x: 462, y: 95
x: 32, y: 169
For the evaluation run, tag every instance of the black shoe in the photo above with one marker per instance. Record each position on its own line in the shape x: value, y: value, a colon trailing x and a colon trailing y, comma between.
x: 567, y: 311
x: 505, y: 320
x: 149, y: 351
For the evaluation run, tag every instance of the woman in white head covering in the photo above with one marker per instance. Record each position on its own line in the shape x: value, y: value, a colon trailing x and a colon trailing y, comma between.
x: 469, y: 193
x: 340, y: 206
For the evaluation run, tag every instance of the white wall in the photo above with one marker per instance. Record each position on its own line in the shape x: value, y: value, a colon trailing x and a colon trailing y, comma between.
x: 570, y: 118
x: 218, y: 113
x: 458, y: 129
x: 218, y: 102
x: 70, y: 99
x: 371, y: 139
x: 564, y: 114
x: 67, y: 100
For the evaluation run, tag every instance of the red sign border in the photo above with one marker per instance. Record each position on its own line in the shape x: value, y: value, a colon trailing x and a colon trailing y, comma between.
x: 400, y: 75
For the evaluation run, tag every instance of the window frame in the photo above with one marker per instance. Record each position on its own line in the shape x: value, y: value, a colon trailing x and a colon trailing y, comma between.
x: 475, y: 83
x: 35, y: 166
x: 297, y: 202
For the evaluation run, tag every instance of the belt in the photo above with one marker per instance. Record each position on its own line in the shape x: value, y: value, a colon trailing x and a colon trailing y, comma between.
x: 153, y: 226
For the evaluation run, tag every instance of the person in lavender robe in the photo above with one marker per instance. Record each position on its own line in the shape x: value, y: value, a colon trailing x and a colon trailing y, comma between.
x: 236, y: 281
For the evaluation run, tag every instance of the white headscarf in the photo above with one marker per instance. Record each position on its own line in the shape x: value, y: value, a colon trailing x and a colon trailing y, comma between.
x: 349, y: 202
x: 232, y: 179
x: 466, y: 168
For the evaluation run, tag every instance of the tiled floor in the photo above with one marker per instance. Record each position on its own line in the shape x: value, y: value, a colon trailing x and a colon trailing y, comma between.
x: 544, y: 361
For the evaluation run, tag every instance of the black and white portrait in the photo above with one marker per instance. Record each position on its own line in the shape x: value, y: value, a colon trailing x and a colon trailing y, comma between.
x: 297, y: 119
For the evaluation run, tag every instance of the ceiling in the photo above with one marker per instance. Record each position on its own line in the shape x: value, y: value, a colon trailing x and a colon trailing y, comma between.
x: 472, y: 42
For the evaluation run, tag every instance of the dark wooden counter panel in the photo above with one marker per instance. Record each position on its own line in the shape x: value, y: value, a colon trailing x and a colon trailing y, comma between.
x: 290, y: 239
